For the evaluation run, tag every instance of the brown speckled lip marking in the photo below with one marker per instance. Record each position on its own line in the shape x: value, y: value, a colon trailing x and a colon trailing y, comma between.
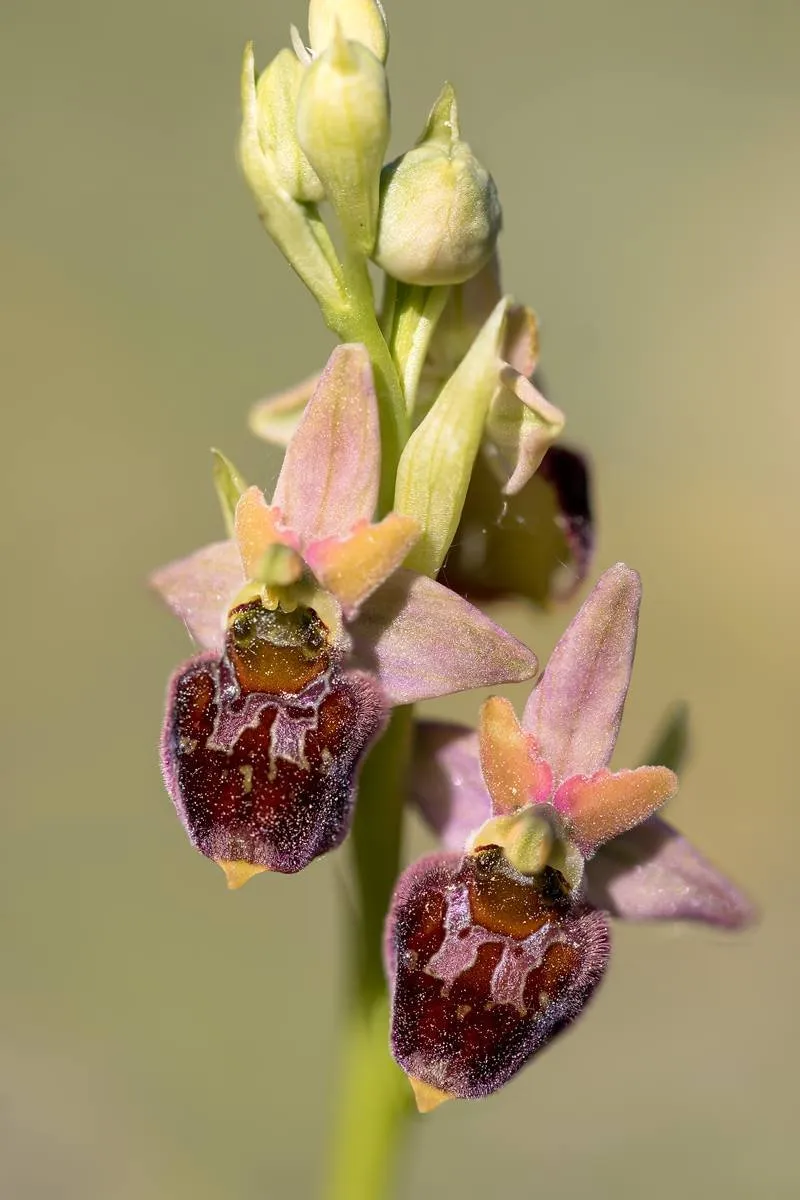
x: 266, y: 779
x: 486, y: 968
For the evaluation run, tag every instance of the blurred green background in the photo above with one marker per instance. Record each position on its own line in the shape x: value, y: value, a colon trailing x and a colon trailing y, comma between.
x: 162, y: 1038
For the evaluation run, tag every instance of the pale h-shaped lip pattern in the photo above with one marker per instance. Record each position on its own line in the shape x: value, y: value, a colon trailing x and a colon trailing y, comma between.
x: 638, y: 866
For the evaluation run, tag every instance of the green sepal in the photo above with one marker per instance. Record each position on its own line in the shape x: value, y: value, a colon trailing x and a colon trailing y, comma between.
x: 436, y: 464
x: 229, y: 485
x: 670, y: 746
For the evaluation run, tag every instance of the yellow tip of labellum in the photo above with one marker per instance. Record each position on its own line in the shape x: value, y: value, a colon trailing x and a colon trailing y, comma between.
x: 428, y: 1098
x: 238, y: 872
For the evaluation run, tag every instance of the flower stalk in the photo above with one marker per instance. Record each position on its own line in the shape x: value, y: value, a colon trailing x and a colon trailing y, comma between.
x: 373, y: 1099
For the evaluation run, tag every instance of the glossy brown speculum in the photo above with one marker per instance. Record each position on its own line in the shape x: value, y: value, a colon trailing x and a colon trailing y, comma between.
x: 487, y: 967
x: 272, y: 650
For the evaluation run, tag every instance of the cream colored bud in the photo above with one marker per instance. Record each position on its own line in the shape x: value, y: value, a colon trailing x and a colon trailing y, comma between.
x: 277, y: 91
x: 343, y: 128
x: 439, y: 213
x: 360, y: 20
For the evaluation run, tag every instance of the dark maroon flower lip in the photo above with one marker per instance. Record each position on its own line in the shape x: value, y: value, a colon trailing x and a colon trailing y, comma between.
x: 266, y: 780
x: 486, y: 968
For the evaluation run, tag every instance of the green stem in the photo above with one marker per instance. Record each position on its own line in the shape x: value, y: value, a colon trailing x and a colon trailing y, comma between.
x: 374, y: 1097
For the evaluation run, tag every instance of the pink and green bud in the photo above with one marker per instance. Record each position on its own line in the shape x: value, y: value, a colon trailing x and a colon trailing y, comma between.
x: 440, y: 213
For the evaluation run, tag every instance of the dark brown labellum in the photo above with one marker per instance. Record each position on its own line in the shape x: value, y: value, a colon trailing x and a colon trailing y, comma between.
x: 267, y: 776
x: 486, y: 967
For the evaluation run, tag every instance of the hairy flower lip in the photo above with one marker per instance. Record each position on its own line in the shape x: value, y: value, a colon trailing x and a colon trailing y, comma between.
x: 268, y: 785
x: 504, y: 920
x: 638, y: 866
x: 472, y: 1004
x: 248, y: 803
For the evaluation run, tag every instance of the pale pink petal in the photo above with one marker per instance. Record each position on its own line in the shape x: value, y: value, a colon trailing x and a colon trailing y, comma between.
x: 257, y: 526
x: 654, y: 874
x: 329, y: 478
x: 575, y: 711
x: 199, y: 589
x: 520, y: 427
x: 276, y: 418
x: 423, y: 640
x: 446, y: 783
x: 600, y: 807
x: 521, y: 342
x: 514, y: 772
x: 352, y: 567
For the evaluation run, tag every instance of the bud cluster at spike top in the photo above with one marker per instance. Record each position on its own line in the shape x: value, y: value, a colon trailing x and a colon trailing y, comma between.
x: 420, y: 476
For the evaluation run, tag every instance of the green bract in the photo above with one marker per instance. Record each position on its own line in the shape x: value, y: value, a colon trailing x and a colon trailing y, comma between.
x: 436, y: 465
x: 229, y: 485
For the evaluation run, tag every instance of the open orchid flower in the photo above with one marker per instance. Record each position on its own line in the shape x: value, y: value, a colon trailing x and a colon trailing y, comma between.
x: 538, y: 543
x: 526, y: 528
x: 495, y: 945
x: 311, y: 629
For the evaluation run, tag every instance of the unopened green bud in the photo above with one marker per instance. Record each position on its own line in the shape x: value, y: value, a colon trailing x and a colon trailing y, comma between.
x: 360, y: 20
x: 277, y: 91
x: 343, y: 127
x: 287, y: 220
x: 440, y: 213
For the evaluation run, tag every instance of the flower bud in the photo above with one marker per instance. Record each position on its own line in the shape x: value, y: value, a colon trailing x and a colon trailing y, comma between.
x: 343, y: 127
x: 277, y: 91
x: 440, y: 213
x: 360, y: 20
x: 285, y: 219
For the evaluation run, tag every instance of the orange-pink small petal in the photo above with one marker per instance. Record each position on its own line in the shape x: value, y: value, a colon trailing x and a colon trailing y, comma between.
x: 352, y: 567
x: 258, y: 526
x: 513, y: 771
x: 601, y: 806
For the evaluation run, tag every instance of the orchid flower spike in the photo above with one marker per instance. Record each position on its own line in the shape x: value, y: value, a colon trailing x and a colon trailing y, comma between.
x: 310, y: 629
x: 495, y: 945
